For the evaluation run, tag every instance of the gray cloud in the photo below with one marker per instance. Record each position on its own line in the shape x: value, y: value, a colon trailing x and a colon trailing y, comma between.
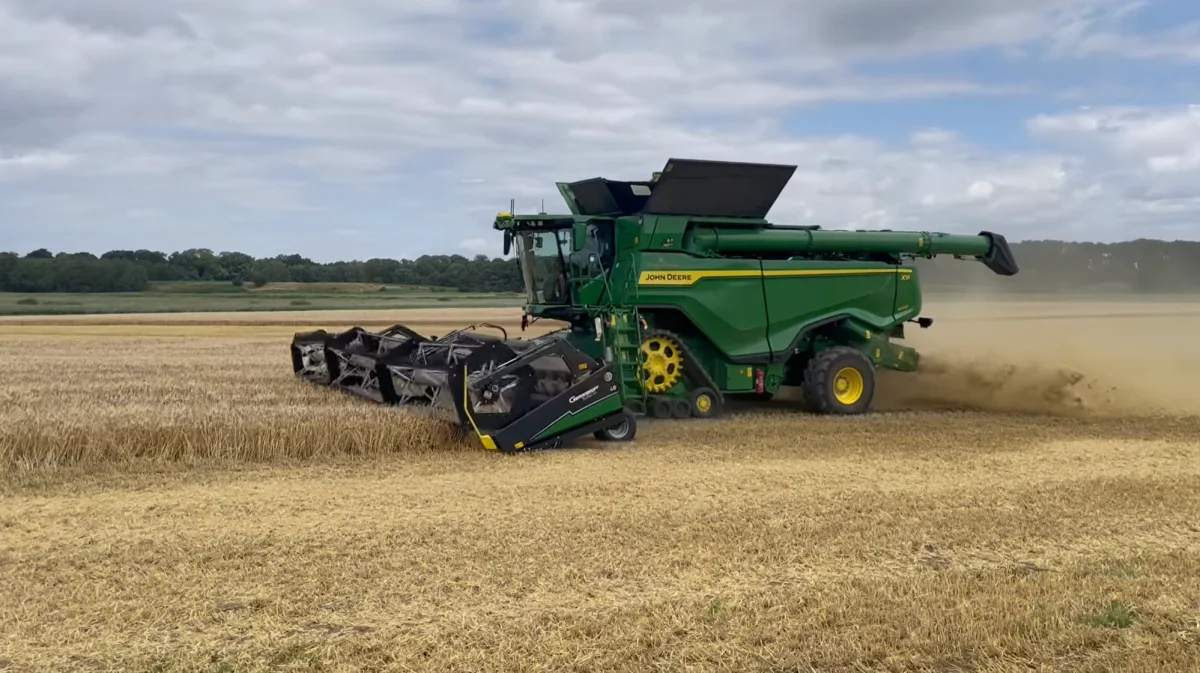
x: 204, y: 122
x: 123, y: 17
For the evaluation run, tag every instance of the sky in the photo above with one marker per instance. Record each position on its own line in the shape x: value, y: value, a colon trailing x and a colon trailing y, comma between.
x: 375, y: 128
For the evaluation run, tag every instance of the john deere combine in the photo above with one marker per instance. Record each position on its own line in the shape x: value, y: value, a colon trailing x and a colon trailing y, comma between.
x: 675, y: 295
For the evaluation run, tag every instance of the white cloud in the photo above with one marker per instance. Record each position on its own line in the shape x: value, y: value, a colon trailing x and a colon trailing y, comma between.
x: 981, y: 190
x: 34, y: 162
x: 407, y: 126
x: 479, y: 246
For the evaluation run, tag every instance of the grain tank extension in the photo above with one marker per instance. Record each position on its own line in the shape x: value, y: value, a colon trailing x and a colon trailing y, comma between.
x: 675, y: 295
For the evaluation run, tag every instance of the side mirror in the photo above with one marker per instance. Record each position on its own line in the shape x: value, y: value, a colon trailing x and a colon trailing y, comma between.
x: 507, y: 242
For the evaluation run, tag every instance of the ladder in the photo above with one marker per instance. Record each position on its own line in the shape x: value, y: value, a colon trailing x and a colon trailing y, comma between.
x: 625, y: 338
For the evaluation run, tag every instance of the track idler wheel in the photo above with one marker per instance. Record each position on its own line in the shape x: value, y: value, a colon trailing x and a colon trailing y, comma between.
x: 704, y: 403
x: 660, y: 407
x: 839, y: 380
x: 680, y: 408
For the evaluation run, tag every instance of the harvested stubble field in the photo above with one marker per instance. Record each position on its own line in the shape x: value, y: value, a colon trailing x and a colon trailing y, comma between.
x: 173, y: 501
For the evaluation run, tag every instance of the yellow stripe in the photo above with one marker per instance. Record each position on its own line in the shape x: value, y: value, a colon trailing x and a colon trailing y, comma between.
x: 832, y: 272
x: 684, y: 278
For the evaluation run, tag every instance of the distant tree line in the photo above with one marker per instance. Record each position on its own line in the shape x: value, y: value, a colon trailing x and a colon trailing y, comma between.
x: 134, y: 270
x: 1046, y: 266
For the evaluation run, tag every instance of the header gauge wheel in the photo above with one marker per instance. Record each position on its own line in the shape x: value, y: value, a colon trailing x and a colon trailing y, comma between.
x: 624, y: 430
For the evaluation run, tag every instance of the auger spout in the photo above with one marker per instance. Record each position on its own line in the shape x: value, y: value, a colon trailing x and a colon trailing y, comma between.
x: 990, y: 248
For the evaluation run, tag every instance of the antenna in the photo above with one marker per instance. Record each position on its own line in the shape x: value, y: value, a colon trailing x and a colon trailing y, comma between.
x: 512, y: 206
x: 542, y: 209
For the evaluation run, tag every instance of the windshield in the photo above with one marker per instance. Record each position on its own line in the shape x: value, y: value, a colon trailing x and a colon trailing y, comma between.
x: 541, y: 255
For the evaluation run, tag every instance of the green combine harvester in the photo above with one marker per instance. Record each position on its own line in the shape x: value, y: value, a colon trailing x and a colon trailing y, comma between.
x: 677, y: 296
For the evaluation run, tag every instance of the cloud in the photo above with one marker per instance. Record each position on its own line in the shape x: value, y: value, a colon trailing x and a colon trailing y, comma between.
x: 1142, y: 165
x: 34, y: 162
x: 365, y: 128
x: 479, y: 246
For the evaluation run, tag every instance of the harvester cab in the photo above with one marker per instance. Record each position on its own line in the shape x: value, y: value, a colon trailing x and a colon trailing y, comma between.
x: 565, y: 262
x: 675, y: 295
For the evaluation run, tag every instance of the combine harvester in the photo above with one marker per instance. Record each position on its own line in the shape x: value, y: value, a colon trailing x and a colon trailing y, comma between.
x: 677, y: 295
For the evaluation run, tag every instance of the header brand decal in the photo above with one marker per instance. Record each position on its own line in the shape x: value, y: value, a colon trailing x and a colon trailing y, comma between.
x: 584, y: 395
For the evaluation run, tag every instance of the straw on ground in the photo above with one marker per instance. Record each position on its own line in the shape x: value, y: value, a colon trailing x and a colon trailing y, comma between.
x: 177, y: 503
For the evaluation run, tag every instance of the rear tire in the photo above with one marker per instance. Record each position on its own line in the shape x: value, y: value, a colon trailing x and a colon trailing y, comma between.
x: 623, y: 430
x: 839, y: 380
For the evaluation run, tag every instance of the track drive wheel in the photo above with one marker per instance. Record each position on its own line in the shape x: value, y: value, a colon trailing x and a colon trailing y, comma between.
x: 705, y: 403
x: 662, y: 362
x: 839, y: 380
x: 624, y: 430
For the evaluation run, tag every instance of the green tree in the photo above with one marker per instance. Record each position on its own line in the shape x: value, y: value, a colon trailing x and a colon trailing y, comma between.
x: 269, y: 271
x: 236, y: 265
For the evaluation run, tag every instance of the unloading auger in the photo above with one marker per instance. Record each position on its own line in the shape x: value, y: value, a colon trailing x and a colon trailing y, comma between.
x: 515, y: 394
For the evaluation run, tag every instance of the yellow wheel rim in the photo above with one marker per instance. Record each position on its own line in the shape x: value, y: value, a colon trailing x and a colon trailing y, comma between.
x: 662, y: 364
x: 704, y: 403
x: 848, y: 385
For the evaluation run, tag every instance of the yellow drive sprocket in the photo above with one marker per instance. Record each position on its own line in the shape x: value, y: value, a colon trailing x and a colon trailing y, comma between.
x: 662, y: 363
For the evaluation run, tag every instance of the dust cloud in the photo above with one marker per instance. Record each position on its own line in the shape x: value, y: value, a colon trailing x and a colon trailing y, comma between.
x: 1103, y: 357
x: 966, y: 385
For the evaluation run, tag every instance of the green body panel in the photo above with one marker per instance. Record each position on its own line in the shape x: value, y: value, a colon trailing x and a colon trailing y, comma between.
x: 735, y: 378
x: 691, y: 252
x: 775, y: 375
x: 728, y: 308
x: 752, y: 310
x: 908, y: 296
x: 799, y: 294
x: 586, y: 342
